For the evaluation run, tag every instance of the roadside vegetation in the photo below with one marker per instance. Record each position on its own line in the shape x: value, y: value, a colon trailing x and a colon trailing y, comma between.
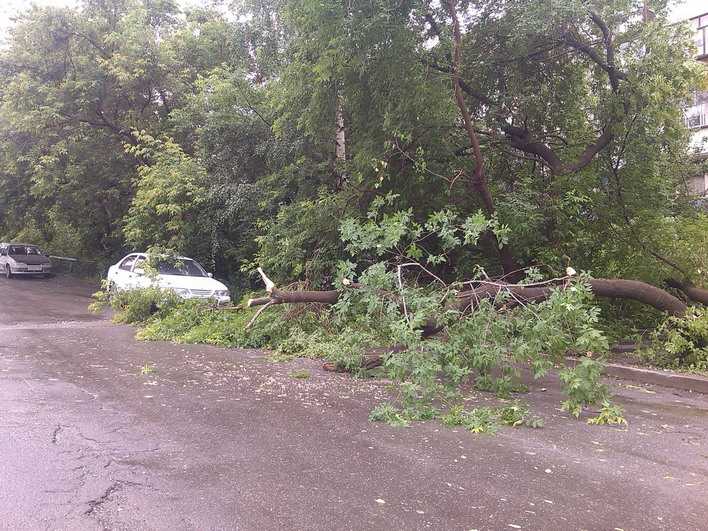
x: 680, y: 343
x: 450, y: 192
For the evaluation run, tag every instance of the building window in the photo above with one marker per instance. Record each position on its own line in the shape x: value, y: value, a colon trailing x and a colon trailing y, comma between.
x: 697, y: 113
x: 701, y: 41
x: 701, y: 36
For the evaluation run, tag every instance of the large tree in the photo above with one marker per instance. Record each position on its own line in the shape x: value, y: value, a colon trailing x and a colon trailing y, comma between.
x: 559, y: 121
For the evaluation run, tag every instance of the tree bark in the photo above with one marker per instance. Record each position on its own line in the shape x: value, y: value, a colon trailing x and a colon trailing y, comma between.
x: 521, y: 138
x: 614, y: 288
x: 693, y: 293
x: 478, y: 183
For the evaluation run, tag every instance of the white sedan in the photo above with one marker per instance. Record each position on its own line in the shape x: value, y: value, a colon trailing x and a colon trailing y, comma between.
x: 184, y: 276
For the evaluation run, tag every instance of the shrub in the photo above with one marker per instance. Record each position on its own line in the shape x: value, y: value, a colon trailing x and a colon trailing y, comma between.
x: 681, y: 342
x: 583, y: 386
x: 135, y: 306
x: 195, y: 321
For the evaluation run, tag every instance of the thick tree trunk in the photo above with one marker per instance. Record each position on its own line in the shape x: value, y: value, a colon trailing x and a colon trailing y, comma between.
x: 278, y: 296
x: 478, y: 181
x: 615, y: 288
x: 693, y: 293
x: 607, y: 288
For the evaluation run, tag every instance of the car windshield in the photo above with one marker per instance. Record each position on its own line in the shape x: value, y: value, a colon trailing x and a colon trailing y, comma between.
x: 24, y: 250
x: 183, y: 267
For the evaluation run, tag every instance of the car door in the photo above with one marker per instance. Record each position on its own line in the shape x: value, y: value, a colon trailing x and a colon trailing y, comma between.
x: 123, y: 273
x: 139, y: 279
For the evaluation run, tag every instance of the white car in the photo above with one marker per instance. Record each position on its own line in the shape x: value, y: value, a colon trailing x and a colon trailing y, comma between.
x: 184, y: 276
x: 23, y: 259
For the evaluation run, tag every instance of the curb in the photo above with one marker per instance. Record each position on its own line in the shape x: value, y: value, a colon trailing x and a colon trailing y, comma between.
x: 686, y: 382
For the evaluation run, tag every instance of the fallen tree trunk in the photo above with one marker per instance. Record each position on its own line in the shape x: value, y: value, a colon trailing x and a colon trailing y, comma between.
x: 509, y: 295
x: 615, y: 288
x: 278, y: 296
x: 691, y: 292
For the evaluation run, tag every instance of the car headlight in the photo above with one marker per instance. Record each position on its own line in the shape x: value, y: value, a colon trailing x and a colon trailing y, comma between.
x: 181, y: 291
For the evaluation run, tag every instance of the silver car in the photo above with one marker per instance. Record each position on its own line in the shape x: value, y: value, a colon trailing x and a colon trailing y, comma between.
x: 23, y: 259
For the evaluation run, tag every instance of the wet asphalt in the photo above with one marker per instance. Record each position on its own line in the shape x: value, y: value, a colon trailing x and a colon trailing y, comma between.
x: 210, y: 438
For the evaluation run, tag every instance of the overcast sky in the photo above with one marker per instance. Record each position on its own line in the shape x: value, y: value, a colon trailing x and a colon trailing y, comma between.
x: 8, y: 8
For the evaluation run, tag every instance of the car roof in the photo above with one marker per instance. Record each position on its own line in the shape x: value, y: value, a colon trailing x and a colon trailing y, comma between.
x: 145, y: 255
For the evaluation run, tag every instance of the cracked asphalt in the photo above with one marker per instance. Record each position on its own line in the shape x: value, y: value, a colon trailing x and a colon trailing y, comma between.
x: 210, y: 438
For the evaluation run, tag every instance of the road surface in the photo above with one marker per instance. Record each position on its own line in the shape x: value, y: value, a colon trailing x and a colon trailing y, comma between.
x: 209, y: 438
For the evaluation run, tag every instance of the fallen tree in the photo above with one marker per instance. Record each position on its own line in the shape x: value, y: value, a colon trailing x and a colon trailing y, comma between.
x: 504, y: 296
x: 691, y: 292
x: 615, y: 288
x: 510, y: 294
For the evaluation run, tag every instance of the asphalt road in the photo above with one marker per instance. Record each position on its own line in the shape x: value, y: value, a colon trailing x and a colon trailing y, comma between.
x: 225, y: 439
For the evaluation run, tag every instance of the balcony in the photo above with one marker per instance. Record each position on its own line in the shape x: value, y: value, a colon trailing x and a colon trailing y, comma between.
x: 697, y: 121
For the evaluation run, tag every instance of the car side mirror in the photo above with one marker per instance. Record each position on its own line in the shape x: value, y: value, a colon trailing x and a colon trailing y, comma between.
x: 210, y: 275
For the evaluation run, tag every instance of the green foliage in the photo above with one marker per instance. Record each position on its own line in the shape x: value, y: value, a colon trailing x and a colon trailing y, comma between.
x: 513, y: 415
x: 301, y: 242
x: 385, y: 412
x: 481, y: 420
x: 132, y: 124
x: 229, y: 127
x: 147, y: 369
x: 169, y: 192
x: 489, y: 419
x: 386, y: 312
x: 194, y: 321
x: 502, y: 386
x: 139, y: 306
x: 301, y: 374
x: 681, y: 342
x: 583, y: 386
x: 609, y: 414
x: 386, y: 233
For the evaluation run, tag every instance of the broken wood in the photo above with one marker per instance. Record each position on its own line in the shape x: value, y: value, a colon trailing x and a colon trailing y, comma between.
x: 278, y: 296
x: 615, y: 288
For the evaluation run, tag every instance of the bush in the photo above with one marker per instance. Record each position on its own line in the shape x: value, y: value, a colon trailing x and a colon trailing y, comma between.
x: 681, y: 342
x: 197, y: 322
x: 135, y: 306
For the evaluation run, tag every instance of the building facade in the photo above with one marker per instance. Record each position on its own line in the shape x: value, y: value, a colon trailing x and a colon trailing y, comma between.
x: 697, y: 113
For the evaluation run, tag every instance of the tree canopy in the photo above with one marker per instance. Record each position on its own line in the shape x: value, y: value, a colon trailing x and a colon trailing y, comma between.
x: 243, y: 134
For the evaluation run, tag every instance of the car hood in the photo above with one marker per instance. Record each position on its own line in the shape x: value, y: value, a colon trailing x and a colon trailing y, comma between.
x: 31, y: 259
x: 179, y: 281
